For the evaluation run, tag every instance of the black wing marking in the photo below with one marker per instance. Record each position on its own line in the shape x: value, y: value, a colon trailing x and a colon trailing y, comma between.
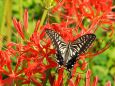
x: 79, y: 46
x: 58, y: 44
x: 57, y: 40
x: 59, y: 58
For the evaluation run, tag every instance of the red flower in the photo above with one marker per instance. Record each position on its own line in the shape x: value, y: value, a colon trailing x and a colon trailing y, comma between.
x: 19, y: 26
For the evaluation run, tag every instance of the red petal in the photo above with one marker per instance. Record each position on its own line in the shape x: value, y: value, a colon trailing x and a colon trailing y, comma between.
x: 36, y: 27
x: 35, y: 38
x: 108, y: 83
x: 95, y: 81
x: 71, y: 83
x: 84, y: 65
x: 59, y: 81
x: 18, y: 27
x: 88, y: 74
x: 75, y: 68
x: 83, y: 8
x: 26, y: 19
x: 52, y: 64
x: 8, y: 81
x: 78, y: 78
x: 1, y: 81
x: 8, y: 60
x: 36, y: 82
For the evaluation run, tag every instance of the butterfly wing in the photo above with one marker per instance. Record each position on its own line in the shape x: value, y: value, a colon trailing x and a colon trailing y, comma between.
x: 58, y: 44
x: 79, y: 46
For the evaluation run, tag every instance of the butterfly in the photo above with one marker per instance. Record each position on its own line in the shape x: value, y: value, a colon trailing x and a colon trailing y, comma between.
x: 68, y: 53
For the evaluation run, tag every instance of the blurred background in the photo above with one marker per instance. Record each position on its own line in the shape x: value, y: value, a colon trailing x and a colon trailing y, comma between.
x: 102, y: 65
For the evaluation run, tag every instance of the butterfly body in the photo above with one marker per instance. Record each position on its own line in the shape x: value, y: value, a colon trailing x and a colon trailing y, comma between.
x: 68, y: 53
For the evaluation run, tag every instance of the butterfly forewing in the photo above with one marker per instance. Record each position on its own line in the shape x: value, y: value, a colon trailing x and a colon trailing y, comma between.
x: 59, y: 45
x: 79, y: 46
x: 56, y: 39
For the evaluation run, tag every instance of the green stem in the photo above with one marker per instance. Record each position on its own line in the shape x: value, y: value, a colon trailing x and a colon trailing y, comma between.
x: 43, y: 19
x: 21, y: 10
x: 47, y: 5
x: 9, y: 20
x: 47, y: 76
x: 3, y: 23
x: 21, y: 15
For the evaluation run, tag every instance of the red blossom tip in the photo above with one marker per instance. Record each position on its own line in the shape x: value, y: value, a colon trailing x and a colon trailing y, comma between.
x: 95, y: 81
x: 18, y: 27
x: 108, y: 83
x: 88, y: 74
x: 26, y: 19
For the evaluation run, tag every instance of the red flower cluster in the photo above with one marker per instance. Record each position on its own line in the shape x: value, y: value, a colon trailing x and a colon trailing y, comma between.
x: 32, y: 62
x: 22, y: 63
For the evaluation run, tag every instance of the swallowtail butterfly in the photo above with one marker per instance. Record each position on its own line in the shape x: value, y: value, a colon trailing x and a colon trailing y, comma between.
x: 67, y: 54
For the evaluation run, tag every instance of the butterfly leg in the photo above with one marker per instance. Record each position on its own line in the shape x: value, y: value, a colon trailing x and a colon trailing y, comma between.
x: 58, y: 68
x: 69, y: 75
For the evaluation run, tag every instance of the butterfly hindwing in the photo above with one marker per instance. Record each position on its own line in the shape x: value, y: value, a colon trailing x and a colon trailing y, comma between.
x: 79, y: 46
